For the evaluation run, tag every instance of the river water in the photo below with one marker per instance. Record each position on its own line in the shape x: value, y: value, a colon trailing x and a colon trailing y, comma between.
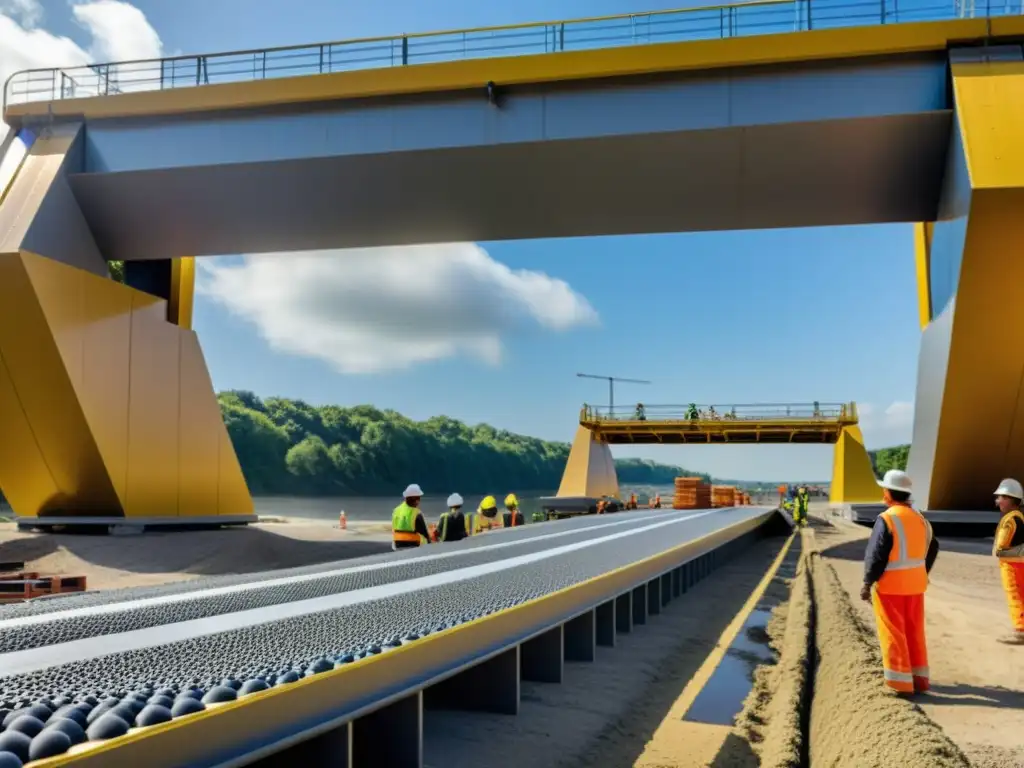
x: 379, y: 508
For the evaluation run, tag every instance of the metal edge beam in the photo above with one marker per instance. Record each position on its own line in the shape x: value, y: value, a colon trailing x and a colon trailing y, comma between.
x: 814, y: 45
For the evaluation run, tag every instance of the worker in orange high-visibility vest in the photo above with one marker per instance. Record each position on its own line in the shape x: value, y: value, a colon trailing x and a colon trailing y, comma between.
x: 1009, y: 549
x: 899, y: 556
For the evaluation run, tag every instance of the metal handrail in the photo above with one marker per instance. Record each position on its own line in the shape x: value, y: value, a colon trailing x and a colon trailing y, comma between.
x: 702, y: 23
x: 777, y: 412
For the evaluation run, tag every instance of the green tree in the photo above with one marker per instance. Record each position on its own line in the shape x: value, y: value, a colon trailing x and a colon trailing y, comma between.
x: 289, y: 446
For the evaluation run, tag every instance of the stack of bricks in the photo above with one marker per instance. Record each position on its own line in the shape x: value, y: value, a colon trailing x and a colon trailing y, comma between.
x: 723, y: 496
x: 691, y: 493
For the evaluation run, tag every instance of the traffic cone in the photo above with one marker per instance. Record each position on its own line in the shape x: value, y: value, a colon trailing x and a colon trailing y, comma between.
x: 342, y: 520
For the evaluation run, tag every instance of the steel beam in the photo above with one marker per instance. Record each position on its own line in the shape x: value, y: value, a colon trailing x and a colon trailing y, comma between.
x: 581, y: 638
x: 490, y: 686
x: 604, y: 617
x: 390, y: 737
x: 542, y: 658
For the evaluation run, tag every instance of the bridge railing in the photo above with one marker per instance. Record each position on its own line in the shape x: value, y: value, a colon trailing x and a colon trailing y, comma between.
x: 702, y: 23
x: 810, y: 412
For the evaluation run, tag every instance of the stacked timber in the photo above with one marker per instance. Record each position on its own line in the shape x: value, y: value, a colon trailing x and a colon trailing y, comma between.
x: 723, y: 496
x: 691, y: 493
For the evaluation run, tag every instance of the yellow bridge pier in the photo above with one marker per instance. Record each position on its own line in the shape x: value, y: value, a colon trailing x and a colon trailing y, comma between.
x: 590, y: 470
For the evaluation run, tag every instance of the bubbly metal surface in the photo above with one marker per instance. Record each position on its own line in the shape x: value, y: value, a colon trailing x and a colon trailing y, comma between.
x: 171, y: 667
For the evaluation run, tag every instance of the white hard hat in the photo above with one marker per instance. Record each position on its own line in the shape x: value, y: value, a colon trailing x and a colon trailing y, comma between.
x: 896, y: 480
x: 411, y: 491
x: 1010, y: 487
x: 455, y: 500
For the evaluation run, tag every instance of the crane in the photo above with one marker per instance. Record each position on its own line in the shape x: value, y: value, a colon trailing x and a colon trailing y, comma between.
x: 611, y: 386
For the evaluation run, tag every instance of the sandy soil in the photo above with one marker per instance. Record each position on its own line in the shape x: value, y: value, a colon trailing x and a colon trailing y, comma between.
x: 977, y: 692
x: 773, y: 719
x: 604, y: 713
x: 161, y: 557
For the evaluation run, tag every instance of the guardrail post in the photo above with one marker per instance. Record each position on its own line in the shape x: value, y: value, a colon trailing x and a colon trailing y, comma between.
x: 677, y: 581
x: 561, y: 36
x: 405, y: 50
x: 332, y: 749
x: 666, y: 589
x: 605, y: 617
x: 490, y: 686
x: 542, y: 658
x: 391, y: 737
x: 640, y: 604
x: 581, y: 638
x: 654, y: 597
x: 624, y: 613
x: 321, y: 59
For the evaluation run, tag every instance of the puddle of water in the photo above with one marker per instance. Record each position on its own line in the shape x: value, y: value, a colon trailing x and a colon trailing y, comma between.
x: 722, y: 697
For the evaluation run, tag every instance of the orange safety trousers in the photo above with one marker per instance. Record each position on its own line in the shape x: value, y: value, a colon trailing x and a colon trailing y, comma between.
x: 900, y: 621
x: 1013, y: 585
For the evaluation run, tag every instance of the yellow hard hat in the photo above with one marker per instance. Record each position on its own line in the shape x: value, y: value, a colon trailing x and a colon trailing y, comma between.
x: 488, y: 503
x: 511, y: 500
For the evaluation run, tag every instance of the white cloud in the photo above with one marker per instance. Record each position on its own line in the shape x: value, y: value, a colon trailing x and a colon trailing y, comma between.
x: 370, y: 310
x: 117, y: 30
x: 892, y: 425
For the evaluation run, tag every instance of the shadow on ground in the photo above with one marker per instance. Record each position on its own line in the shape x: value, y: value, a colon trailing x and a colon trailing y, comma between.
x: 973, y: 695
x: 206, y: 552
x: 713, y: 603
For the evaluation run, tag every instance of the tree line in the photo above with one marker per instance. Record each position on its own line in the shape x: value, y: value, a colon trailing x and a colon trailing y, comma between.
x: 885, y: 459
x: 290, y: 447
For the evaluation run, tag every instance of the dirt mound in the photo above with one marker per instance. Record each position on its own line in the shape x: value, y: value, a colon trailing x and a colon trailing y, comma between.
x: 855, y: 719
x: 824, y: 702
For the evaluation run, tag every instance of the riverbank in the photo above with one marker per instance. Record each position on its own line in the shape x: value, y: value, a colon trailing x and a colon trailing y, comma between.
x: 161, y: 557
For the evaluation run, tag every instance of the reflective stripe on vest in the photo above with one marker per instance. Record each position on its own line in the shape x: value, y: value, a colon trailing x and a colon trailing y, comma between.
x: 905, y: 573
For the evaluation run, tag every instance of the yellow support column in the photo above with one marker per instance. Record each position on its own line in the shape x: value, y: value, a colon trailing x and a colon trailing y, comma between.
x: 969, y: 419
x: 106, y: 408
x: 590, y: 468
x: 853, y: 478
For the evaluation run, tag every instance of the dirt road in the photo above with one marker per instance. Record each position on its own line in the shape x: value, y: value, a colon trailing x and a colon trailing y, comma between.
x: 977, y: 692
x: 111, y: 562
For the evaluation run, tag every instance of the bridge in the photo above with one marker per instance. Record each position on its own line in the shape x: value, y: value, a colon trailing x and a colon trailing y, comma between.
x: 590, y: 470
x: 158, y: 162
x: 675, y: 121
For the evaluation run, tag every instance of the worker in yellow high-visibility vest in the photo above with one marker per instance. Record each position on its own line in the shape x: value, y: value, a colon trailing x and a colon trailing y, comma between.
x: 487, y: 517
x: 408, y: 528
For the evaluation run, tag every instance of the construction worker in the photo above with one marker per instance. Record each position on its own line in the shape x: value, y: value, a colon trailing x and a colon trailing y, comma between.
x: 641, y: 414
x: 899, y: 556
x: 451, y: 525
x: 801, y: 501
x: 656, y: 502
x: 512, y: 517
x: 1009, y: 548
x: 408, y: 528
x: 692, y: 413
x: 487, y: 517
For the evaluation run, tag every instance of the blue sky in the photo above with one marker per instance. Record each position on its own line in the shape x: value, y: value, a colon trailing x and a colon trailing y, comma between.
x: 768, y: 316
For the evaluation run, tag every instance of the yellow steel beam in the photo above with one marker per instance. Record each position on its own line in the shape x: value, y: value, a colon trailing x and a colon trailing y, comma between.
x: 922, y: 261
x: 106, y: 407
x: 816, y: 45
x: 590, y: 468
x: 980, y: 417
x: 853, y: 477
x: 183, y: 285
